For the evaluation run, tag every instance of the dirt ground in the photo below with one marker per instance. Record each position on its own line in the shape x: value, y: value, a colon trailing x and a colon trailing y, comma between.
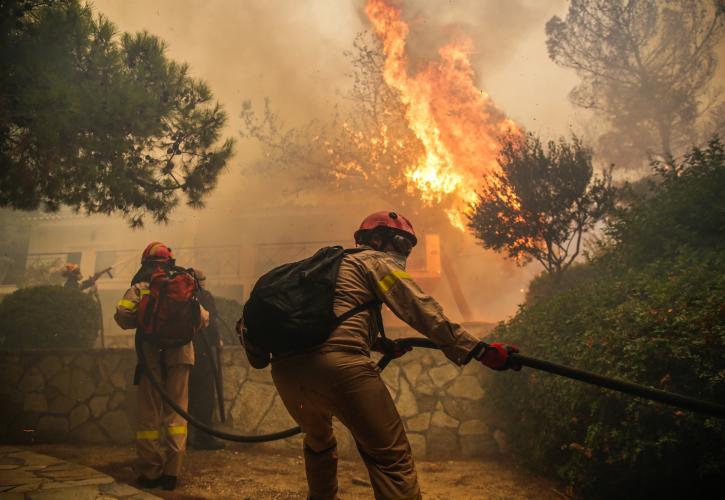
x: 245, y: 473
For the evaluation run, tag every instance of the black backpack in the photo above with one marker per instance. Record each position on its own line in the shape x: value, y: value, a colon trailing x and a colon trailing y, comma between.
x: 290, y: 307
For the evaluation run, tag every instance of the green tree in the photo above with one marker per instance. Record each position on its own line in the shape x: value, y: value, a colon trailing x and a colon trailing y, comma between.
x: 99, y: 122
x: 542, y: 202
x: 646, y: 68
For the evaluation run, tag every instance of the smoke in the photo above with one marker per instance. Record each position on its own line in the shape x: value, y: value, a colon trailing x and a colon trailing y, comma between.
x: 289, y: 51
x: 497, y: 29
x: 292, y: 52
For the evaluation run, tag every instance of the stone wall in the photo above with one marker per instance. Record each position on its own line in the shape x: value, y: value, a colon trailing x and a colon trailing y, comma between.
x: 68, y: 394
x: 87, y: 396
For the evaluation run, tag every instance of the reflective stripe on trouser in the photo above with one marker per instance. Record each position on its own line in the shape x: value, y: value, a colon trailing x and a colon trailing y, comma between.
x: 161, y: 434
x: 317, y: 386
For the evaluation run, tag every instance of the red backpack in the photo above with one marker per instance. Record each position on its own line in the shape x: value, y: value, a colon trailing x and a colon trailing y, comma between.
x: 169, y: 313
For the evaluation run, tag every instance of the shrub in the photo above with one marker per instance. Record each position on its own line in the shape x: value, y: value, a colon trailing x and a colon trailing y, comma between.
x: 649, y: 310
x: 546, y: 285
x: 687, y: 209
x: 46, y: 317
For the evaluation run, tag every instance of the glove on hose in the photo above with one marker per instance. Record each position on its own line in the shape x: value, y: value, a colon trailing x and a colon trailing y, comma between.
x: 496, y: 356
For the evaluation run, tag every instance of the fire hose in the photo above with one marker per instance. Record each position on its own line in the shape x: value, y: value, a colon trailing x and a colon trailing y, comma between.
x: 657, y: 395
x: 669, y: 398
x: 192, y: 420
x: 215, y: 361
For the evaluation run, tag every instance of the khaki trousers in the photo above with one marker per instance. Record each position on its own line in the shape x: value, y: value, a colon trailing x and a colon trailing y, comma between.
x: 319, y: 385
x: 160, y: 431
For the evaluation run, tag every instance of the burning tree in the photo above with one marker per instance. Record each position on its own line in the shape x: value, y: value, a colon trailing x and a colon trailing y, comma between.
x: 422, y: 140
x: 98, y: 122
x: 646, y: 68
x: 541, y: 202
x: 368, y: 144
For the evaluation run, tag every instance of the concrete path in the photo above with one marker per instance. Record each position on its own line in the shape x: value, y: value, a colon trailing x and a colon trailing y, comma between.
x: 25, y: 475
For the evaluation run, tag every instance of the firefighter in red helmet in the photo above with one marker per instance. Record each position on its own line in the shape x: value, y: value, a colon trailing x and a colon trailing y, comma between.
x: 161, y: 433
x: 157, y: 252
x: 338, y: 378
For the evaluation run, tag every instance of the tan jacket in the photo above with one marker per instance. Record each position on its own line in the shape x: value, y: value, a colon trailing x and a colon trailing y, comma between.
x: 125, y: 316
x: 369, y: 275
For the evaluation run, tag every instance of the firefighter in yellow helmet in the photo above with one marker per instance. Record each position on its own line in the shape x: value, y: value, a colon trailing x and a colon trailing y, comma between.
x: 338, y: 378
x: 160, y: 432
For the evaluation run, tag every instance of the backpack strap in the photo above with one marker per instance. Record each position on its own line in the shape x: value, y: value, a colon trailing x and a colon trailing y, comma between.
x: 387, y: 344
x: 378, y: 315
x: 376, y: 306
x: 355, y: 310
x: 360, y: 307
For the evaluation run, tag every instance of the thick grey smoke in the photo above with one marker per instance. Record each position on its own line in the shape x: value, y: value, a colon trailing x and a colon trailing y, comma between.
x: 497, y: 29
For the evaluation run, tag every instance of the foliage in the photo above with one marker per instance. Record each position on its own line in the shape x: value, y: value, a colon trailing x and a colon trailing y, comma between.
x: 646, y: 68
x: 229, y: 311
x: 688, y: 208
x: 369, y: 144
x: 48, y: 317
x: 648, y: 310
x: 100, y: 122
x: 542, y: 202
x: 545, y: 285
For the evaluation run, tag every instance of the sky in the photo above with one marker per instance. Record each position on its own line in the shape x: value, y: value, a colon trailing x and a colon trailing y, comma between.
x: 292, y: 52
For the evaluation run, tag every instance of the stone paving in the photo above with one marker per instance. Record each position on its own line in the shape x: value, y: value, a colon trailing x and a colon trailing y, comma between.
x: 28, y: 475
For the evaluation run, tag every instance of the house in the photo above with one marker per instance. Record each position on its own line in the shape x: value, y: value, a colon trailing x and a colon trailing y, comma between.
x: 232, y: 247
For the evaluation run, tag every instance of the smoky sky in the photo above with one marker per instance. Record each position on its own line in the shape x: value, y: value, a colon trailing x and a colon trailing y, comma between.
x: 292, y: 52
x: 496, y: 28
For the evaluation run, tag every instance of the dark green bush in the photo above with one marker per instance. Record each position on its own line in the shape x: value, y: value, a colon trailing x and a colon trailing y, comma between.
x: 229, y: 311
x: 687, y: 209
x: 651, y: 310
x: 545, y: 285
x: 46, y: 317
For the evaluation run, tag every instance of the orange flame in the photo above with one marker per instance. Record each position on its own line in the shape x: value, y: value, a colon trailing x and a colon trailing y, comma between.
x: 457, y: 123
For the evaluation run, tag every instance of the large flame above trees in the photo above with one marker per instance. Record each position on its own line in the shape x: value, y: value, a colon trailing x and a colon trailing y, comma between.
x: 457, y: 123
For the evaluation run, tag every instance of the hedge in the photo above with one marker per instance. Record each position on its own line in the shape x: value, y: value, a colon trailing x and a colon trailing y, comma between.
x: 649, y: 309
x: 48, y: 317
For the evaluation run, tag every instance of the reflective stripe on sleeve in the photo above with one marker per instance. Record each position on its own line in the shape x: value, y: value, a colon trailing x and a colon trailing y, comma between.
x: 150, y: 435
x: 145, y: 291
x: 392, y: 278
x: 127, y: 304
x: 176, y: 430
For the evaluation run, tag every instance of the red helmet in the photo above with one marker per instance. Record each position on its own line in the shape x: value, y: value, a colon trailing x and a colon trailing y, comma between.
x: 156, y: 252
x: 392, y: 220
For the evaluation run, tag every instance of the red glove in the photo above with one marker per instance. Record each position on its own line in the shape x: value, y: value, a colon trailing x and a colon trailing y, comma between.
x: 385, y: 346
x: 496, y: 356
